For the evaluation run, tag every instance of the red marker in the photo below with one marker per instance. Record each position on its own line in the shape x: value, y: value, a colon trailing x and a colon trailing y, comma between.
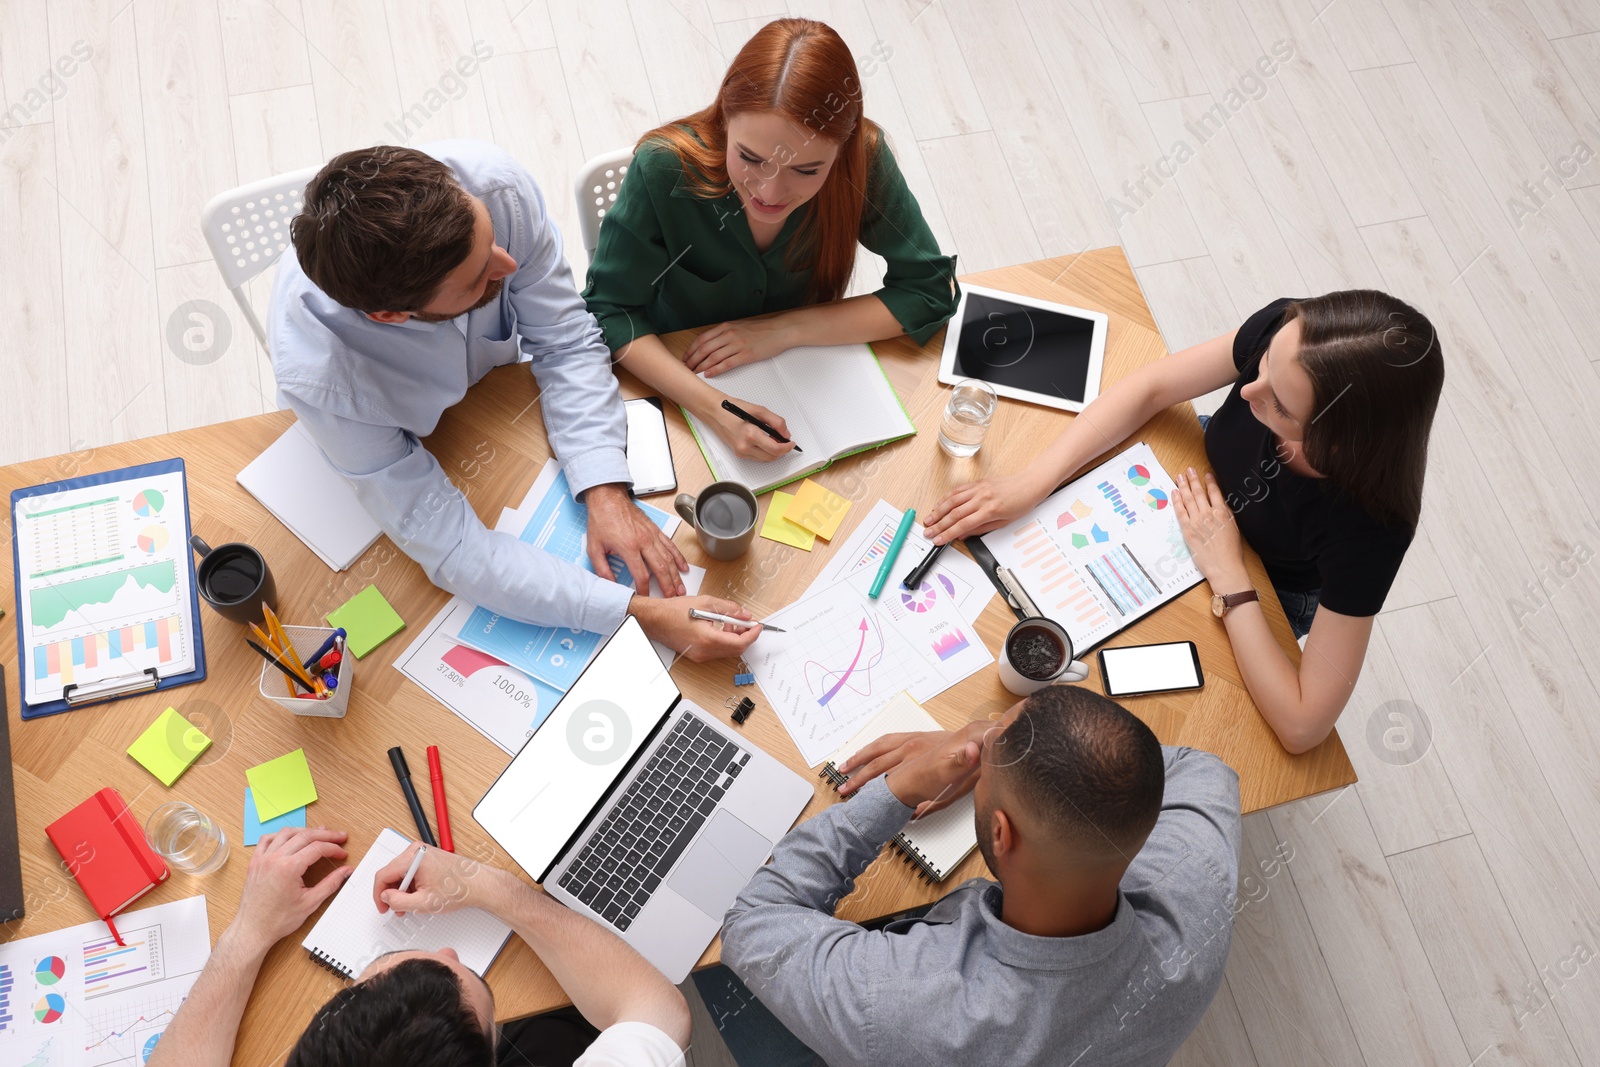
x: 441, y: 811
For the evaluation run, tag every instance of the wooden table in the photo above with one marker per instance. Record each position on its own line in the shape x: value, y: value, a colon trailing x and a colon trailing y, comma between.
x: 493, y: 444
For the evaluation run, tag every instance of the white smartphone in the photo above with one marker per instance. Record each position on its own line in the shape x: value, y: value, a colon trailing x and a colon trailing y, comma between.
x: 649, y: 455
x: 1134, y: 670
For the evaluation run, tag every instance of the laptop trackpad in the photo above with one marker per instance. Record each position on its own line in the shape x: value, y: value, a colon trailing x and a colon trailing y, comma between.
x: 711, y: 874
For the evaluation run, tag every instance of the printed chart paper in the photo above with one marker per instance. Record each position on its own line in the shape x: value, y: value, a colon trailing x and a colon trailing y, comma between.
x: 104, y: 576
x: 863, y: 551
x: 559, y: 525
x: 1102, y: 551
x: 846, y: 656
x: 75, y: 998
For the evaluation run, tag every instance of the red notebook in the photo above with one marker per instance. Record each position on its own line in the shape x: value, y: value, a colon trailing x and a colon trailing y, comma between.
x: 105, y: 850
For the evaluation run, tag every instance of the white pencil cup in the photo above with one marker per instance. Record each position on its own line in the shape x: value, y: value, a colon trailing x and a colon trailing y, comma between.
x: 1049, y: 660
x: 306, y: 640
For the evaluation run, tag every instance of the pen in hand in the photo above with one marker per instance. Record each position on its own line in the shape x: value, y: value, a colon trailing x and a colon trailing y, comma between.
x: 735, y: 410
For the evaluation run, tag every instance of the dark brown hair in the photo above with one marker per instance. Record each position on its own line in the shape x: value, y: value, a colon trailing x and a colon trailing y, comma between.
x: 1376, y: 372
x: 414, y: 1014
x: 802, y: 70
x: 382, y: 227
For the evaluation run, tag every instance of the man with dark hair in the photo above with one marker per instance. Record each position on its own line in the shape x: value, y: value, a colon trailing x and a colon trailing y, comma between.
x: 1102, y: 942
x: 422, y: 1009
x: 416, y: 272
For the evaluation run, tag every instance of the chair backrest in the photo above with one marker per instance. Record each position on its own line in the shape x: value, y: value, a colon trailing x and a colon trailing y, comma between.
x: 596, y: 189
x: 247, y: 228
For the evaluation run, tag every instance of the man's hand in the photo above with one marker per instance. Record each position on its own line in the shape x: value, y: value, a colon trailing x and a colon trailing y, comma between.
x: 445, y: 881
x: 668, y: 621
x: 276, y: 900
x: 733, y: 344
x: 618, y: 528
x: 936, y: 770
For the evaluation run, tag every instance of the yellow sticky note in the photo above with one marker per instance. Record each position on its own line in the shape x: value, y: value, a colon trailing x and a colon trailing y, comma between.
x: 817, y: 509
x: 168, y: 746
x: 281, y: 785
x: 779, y: 529
x: 368, y: 622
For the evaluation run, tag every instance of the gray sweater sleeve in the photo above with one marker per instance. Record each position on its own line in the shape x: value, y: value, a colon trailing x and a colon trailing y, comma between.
x: 816, y: 973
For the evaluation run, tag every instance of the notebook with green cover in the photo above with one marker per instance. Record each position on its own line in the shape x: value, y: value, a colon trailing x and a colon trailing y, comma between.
x: 835, y: 398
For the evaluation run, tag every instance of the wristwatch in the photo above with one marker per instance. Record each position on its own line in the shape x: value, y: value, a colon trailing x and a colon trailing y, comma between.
x: 1220, y: 605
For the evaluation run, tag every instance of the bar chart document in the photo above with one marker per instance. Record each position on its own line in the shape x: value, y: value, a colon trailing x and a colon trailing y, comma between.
x: 76, y: 998
x: 1103, y: 551
x: 103, y: 584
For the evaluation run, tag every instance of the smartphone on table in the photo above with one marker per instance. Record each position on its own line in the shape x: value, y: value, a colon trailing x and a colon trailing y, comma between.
x: 1137, y: 670
x: 649, y: 455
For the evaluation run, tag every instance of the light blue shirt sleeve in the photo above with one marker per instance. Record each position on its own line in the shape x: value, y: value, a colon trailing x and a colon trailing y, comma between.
x: 578, y: 387
x: 404, y: 488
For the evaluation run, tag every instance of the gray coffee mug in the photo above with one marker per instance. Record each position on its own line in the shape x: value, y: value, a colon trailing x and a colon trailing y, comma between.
x: 724, y: 515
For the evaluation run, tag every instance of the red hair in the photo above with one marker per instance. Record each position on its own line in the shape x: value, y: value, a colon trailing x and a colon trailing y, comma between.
x: 799, y: 69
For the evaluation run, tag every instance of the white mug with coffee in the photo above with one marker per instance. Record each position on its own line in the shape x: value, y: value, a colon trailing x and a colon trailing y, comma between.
x: 1036, y: 653
x: 724, y: 515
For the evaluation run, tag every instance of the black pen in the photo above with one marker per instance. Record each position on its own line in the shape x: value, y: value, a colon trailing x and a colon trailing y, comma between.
x: 920, y: 571
x: 734, y: 409
x: 402, y: 772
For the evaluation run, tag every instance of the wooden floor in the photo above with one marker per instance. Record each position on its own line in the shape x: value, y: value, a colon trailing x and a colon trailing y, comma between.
x: 1443, y: 911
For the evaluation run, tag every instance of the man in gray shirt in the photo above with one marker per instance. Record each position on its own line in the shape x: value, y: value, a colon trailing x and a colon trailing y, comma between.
x: 1102, y: 943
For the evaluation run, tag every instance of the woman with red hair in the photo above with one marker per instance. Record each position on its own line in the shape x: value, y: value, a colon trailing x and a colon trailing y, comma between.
x: 747, y: 214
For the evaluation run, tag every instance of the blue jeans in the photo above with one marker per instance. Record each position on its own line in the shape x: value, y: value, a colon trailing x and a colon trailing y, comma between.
x: 754, y: 1035
x: 1300, y: 608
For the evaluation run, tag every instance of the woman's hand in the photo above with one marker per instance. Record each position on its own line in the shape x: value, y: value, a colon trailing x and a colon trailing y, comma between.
x: 733, y: 344
x: 749, y: 441
x: 1209, y: 531
x: 978, y: 507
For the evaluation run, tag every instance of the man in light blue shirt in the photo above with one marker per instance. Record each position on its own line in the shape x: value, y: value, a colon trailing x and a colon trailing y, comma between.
x: 418, y: 271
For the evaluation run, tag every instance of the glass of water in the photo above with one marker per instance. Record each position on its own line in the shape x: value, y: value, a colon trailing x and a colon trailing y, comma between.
x: 967, y: 417
x: 186, y: 838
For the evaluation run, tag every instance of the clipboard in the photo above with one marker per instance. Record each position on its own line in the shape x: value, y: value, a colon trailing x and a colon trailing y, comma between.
x: 991, y: 567
x: 107, y: 689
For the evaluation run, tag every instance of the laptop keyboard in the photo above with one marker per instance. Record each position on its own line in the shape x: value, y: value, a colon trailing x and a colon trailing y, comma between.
x: 631, y: 851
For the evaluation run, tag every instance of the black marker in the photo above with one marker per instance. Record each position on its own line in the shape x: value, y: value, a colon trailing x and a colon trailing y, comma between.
x: 402, y: 772
x: 920, y: 571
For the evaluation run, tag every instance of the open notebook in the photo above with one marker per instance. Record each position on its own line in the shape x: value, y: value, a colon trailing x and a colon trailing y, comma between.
x: 935, y: 844
x: 835, y: 399
x: 351, y: 933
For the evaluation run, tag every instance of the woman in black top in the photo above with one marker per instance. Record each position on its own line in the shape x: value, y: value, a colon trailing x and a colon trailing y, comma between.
x: 1318, y: 455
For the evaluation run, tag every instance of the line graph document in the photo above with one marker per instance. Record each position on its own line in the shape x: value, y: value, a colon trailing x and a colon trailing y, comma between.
x: 846, y: 655
x: 76, y: 998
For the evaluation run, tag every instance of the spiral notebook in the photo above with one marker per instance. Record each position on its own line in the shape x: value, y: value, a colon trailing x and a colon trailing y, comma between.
x: 936, y: 844
x: 351, y: 933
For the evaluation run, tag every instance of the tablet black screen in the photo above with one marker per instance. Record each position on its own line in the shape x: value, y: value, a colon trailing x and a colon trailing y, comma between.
x: 1024, y: 347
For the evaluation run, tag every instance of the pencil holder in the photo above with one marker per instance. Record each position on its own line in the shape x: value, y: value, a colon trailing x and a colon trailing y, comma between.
x: 308, y: 639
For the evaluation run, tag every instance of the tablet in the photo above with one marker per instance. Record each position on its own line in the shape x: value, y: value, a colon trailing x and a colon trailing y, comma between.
x: 1028, y: 349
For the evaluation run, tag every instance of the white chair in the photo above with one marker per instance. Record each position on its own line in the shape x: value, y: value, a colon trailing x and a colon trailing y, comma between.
x: 247, y: 229
x: 596, y: 189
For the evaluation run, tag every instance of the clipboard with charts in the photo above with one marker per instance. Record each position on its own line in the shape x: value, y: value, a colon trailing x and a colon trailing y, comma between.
x: 107, y: 604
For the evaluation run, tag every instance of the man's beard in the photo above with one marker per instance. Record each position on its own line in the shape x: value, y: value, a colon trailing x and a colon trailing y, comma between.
x: 490, y: 294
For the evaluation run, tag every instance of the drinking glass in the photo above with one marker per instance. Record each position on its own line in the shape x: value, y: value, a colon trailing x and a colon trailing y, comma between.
x: 187, y: 838
x: 967, y: 417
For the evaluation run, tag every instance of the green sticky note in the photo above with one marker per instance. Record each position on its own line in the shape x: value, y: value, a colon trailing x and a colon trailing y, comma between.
x: 281, y: 785
x: 168, y: 746
x: 368, y: 621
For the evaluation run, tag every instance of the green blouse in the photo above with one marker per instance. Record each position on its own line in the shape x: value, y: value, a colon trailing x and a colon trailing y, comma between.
x: 668, y: 260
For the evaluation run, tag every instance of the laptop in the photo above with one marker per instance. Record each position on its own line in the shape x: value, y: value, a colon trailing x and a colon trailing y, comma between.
x: 634, y: 806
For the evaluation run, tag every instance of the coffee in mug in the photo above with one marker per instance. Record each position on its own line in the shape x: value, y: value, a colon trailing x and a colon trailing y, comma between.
x: 726, y: 515
x: 1036, y: 653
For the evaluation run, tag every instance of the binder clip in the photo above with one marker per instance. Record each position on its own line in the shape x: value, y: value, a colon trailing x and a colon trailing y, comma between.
x: 741, y: 710
x: 745, y: 676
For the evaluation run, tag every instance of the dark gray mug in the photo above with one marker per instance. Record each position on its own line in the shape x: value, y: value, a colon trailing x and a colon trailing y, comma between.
x: 234, y: 579
x: 724, y: 515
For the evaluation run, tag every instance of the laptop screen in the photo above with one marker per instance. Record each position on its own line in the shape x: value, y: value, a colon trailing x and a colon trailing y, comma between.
x: 567, y: 766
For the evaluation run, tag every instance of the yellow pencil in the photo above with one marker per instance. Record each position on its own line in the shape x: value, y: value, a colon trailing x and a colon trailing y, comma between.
x: 267, y: 641
x: 286, y: 647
